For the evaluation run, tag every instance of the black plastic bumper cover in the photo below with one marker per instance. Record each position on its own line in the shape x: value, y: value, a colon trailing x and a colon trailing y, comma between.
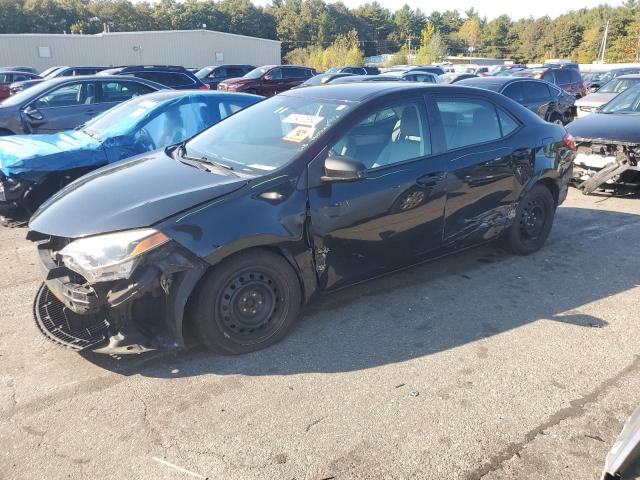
x: 136, y: 315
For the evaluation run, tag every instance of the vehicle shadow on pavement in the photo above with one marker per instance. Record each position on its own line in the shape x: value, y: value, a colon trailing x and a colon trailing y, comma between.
x: 437, y: 306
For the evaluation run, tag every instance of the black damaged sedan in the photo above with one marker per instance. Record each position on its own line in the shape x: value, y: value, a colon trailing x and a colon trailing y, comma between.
x: 315, y: 189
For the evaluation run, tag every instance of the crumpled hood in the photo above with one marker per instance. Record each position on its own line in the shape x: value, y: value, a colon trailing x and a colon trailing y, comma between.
x: 596, y: 99
x: 134, y: 193
x: 47, y: 153
x: 616, y: 127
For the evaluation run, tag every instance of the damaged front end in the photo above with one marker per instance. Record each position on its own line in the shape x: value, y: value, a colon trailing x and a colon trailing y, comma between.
x: 12, y: 192
x: 606, y: 164
x: 115, y: 293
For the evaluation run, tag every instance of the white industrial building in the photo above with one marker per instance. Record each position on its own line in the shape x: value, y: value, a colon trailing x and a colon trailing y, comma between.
x: 190, y: 48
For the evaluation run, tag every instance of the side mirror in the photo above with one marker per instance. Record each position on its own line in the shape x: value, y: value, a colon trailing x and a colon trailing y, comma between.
x: 343, y: 169
x: 623, y: 460
x: 33, y: 113
x: 594, y: 88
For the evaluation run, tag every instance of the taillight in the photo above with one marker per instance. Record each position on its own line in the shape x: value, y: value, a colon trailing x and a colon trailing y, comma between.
x: 204, y: 87
x: 569, y: 141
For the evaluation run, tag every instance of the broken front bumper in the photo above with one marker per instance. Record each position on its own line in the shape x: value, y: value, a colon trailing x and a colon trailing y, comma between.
x: 601, y: 164
x: 142, y: 313
x: 11, y: 194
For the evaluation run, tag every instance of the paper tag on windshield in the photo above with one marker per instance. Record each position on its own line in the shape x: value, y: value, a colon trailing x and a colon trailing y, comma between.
x: 307, y: 120
x: 298, y: 134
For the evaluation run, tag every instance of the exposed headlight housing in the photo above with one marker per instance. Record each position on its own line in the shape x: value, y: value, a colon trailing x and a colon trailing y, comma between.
x: 112, y: 256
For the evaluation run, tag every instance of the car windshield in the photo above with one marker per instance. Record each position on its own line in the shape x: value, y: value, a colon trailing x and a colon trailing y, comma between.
x: 591, y: 76
x: 607, y: 77
x: 49, y: 71
x: 268, y: 135
x: 257, y: 72
x: 628, y: 102
x: 204, y: 72
x: 317, y: 80
x: 618, y: 85
x: 121, y: 119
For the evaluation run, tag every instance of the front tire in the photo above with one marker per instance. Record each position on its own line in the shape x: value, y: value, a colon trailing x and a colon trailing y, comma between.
x: 246, y: 303
x: 533, y: 222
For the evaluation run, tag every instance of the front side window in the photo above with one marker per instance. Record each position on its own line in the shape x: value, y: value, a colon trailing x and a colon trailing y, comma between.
x: 176, y: 124
x: 468, y: 122
x: 390, y: 135
x: 120, y: 91
x: 275, y: 74
x: 68, y: 96
x: 268, y: 135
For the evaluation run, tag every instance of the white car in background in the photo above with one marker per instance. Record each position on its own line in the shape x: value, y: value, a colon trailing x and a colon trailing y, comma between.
x: 605, y: 94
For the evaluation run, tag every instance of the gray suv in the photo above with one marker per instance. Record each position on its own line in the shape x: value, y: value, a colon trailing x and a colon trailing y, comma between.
x: 68, y: 102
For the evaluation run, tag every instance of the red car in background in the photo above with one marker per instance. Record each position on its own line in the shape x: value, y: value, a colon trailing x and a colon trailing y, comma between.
x: 7, y: 77
x: 268, y: 80
x: 568, y: 79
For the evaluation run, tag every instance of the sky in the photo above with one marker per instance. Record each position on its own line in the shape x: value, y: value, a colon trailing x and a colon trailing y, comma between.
x: 489, y: 8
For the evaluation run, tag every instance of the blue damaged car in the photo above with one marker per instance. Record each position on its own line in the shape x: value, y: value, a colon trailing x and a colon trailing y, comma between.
x: 34, y: 167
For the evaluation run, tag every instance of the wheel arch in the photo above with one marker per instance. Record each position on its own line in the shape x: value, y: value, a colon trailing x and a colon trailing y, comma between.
x: 301, y: 260
x: 551, y: 185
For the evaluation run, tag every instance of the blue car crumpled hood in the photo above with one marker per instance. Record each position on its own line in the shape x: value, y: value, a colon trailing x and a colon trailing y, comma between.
x: 22, y: 154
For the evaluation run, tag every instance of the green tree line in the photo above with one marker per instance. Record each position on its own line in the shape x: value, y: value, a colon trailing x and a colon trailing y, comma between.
x: 316, y: 24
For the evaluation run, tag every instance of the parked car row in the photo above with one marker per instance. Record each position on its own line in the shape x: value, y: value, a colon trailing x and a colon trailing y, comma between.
x: 33, y: 167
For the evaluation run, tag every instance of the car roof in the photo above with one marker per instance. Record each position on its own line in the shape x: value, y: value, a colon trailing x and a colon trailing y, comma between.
x: 628, y: 75
x: 495, y: 80
x: 162, y: 95
x: 16, y: 72
x: 358, y: 92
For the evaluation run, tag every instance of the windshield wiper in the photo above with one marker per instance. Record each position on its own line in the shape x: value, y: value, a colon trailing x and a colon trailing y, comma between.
x: 182, y: 151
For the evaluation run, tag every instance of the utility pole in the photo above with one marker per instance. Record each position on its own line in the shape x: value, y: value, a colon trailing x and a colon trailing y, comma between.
x: 603, y: 46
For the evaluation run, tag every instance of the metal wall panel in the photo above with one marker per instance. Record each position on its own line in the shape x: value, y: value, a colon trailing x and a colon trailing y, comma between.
x: 190, y: 48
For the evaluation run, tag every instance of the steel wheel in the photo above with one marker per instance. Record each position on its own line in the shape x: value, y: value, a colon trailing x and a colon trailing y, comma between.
x: 532, y: 220
x: 249, y: 307
x: 247, y: 302
x: 532, y: 223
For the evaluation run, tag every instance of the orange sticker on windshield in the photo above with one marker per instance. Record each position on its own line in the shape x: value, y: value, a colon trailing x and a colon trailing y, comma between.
x: 298, y: 134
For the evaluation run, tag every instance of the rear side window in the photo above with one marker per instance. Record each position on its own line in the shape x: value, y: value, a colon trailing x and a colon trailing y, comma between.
x: 166, y: 78
x: 514, y: 92
x: 295, y: 73
x: 563, y: 77
x: 507, y: 123
x: 536, y: 91
x: 575, y: 76
x: 235, y: 72
x: 468, y: 122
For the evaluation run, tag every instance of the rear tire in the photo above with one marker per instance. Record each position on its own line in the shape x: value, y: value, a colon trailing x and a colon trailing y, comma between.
x: 246, y: 303
x: 533, y: 222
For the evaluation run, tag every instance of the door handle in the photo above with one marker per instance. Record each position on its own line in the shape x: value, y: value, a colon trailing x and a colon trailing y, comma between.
x: 431, y: 179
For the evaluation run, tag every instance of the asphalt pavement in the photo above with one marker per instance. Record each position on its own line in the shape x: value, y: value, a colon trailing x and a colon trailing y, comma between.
x: 481, y: 365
